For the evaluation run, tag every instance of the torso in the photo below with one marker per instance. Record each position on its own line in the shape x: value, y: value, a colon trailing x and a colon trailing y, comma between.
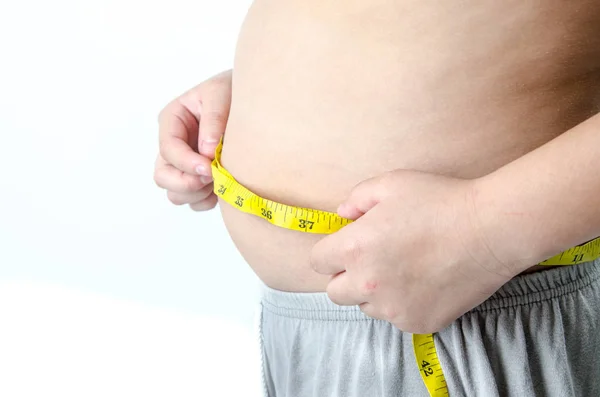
x: 331, y: 93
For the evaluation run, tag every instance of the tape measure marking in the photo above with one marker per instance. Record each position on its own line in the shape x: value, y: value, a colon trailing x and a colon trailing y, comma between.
x: 429, y: 365
x: 581, y: 253
x: 320, y: 222
x: 306, y: 220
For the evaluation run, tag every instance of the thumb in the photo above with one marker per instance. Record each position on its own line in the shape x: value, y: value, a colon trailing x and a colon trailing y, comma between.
x: 216, y: 102
x: 362, y: 199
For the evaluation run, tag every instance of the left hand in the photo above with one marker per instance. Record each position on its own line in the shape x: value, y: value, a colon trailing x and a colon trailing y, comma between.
x: 190, y: 128
x: 414, y: 256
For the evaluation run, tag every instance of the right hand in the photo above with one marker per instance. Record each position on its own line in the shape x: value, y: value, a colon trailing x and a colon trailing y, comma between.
x: 190, y: 128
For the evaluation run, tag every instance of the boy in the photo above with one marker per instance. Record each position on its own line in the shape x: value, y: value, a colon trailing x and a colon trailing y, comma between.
x: 463, y: 140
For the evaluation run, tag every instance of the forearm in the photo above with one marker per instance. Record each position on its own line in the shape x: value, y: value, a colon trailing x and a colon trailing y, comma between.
x: 544, y: 202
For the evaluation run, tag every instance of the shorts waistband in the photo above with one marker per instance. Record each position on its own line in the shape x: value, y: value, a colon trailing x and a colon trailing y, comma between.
x: 522, y: 290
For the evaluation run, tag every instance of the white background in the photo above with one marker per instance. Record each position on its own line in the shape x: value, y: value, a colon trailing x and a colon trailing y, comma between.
x: 107, y: 289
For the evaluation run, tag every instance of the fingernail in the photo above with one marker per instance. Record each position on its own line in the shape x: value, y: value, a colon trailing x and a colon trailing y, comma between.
x: 201, y: 170
x: 206, y: 179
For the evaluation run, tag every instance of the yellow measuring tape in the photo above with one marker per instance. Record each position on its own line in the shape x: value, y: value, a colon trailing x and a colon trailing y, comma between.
x: 322, y: 222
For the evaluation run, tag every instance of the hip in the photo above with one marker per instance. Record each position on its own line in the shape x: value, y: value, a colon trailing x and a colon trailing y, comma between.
x: 523, y: 341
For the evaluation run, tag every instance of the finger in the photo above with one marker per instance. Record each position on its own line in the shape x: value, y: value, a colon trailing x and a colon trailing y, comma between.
x: 370, y: 310
x: 352, y: 248
x: 216, y: 103
x: 178, y: 140
x: 189, y: 198
x: 206, y: 204
x: 363, y: 198
x: 332, y: 254
x: 327, y: 257
x: 342, y: 291
x: 170, y: 178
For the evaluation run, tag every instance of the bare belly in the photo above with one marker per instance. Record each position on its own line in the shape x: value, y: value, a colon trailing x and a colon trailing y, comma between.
x: 325, y: 96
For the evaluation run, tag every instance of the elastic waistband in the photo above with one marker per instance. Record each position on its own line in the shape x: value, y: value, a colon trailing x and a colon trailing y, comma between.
x: 521, y: 290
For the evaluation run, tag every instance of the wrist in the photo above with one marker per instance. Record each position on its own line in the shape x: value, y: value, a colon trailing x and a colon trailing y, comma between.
x: 501, y: 239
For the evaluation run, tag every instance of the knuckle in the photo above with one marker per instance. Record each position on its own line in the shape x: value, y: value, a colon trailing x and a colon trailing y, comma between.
x: 368, y: 288
x: 353, y: 250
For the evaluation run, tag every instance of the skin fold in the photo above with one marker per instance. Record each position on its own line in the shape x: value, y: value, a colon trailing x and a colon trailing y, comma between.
x: 461, y: 137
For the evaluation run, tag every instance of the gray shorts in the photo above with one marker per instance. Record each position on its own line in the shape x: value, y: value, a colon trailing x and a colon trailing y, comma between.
x: 539, y: 335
